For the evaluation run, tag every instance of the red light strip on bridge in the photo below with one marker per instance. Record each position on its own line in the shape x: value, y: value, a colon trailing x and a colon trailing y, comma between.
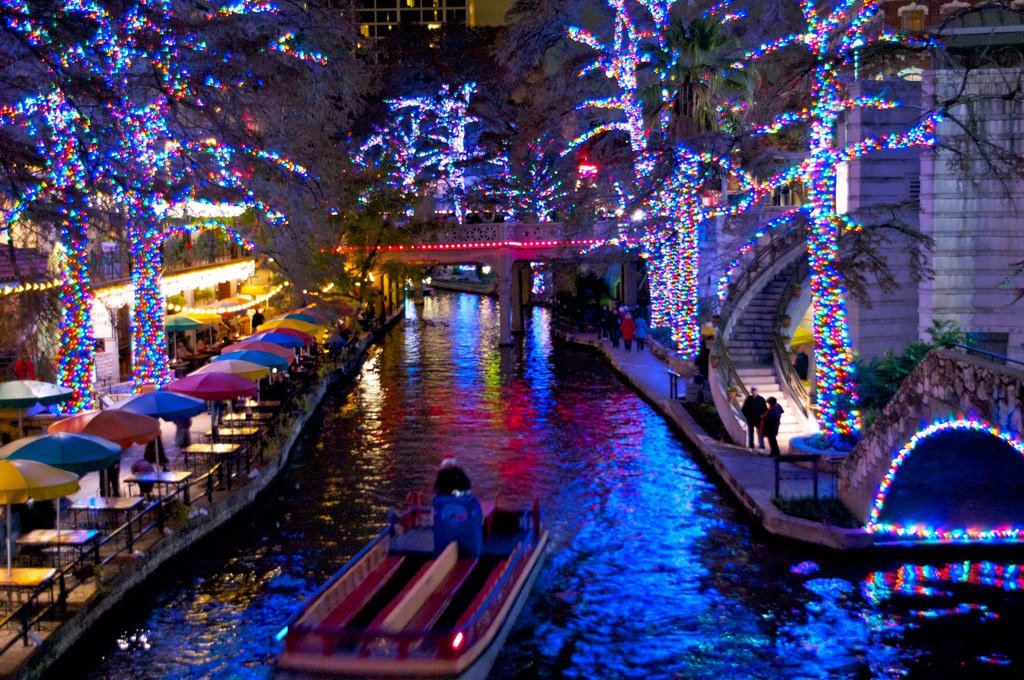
x: 471, y: 246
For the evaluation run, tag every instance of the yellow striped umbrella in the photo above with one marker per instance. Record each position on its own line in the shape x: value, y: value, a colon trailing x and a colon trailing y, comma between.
x: 21, y: 480
x: 295, y: 325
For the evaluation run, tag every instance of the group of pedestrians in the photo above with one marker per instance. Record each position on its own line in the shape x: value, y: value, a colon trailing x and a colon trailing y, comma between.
x: 627, y: 324
x: 764, y: 417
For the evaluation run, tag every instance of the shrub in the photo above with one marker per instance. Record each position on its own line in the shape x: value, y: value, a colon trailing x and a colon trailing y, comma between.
x: 826, y: 510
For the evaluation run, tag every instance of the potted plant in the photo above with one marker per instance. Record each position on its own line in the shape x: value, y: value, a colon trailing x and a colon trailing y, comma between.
x: 732, y: 391
x: 714, y: 360
x: 796, y: 291
x: 785, y: 321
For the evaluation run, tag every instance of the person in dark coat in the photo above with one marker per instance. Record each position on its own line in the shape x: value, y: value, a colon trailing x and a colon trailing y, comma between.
x: 770, y: 429
x: 257, y: 320
x: 754, y: 407
x: 612, y: 325
x: 451, y: 479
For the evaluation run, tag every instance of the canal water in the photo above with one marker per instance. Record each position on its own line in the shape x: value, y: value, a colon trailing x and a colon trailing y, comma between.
x: 652, y: 571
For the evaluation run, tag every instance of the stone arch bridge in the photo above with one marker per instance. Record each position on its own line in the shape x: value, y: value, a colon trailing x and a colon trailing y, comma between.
x: 946, y: 385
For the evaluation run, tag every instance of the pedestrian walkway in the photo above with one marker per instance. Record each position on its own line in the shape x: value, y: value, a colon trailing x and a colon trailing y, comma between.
x: 749, y: 475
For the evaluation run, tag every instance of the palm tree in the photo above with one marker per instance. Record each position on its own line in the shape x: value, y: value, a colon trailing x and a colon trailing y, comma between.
x: 695, y: 82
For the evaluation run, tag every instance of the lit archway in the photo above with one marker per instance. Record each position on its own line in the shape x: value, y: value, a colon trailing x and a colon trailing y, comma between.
x: 1004, y: 440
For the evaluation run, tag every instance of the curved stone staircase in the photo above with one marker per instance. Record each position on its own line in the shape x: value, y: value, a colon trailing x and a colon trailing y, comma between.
x: 751, y: 348
x: 746, y: 345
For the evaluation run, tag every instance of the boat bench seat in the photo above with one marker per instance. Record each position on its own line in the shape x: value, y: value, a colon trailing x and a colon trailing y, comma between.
x: 397, y: 614
x: 489, y: 585
x: 361, y: 595
x: 431, y: 611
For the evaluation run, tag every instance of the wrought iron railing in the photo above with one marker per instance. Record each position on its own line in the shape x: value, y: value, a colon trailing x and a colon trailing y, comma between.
x: 787, y: 371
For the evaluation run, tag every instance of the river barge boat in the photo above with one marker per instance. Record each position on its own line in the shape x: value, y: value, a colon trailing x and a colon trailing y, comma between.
x: 432, y: 597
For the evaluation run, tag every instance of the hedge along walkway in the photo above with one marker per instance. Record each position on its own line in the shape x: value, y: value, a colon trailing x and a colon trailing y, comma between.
x: 89, y: 602
x: 749, y: 476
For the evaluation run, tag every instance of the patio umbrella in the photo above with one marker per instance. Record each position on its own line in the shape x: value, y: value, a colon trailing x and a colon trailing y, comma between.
x: 78, y: 453
x: 243, y: 369
x: 207, y: 318
x: 247, y: 344
x: 293, y: 324
x: 215, y: 386
x: 254, y: 356
x: 293, y: 339
x: 322, y: 313
x: 121, y: 427
x: 21, y: 480
x: 163, y: 404
x: 20, y: 394
x: 182, y: 322
x: 298, y: 316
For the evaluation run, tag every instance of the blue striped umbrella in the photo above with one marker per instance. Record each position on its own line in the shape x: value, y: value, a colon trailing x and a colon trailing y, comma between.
x: 166, y: 405
x: 257, y: 357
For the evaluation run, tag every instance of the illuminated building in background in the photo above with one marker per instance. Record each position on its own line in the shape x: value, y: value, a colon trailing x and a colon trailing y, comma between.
x: 376, y: 18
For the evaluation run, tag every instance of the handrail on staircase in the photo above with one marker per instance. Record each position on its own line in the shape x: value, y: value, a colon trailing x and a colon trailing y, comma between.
x: 793, y: 383
x: 764, y: 255
x: 722, y: 355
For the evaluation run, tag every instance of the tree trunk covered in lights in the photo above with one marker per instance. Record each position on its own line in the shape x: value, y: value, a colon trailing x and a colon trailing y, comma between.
x: 149, y: 338
x: 75, y: 357
x: 833, y: 350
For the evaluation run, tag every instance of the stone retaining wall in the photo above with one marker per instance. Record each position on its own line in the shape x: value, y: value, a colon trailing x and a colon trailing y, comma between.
x: 945, y: 384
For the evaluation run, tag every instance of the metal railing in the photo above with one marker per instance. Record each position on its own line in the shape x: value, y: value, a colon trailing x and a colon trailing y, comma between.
x: 984, y: 354
x: 31, y: 613
x: 761, y: 258
x: 726, y: 369
x: 792, y: 382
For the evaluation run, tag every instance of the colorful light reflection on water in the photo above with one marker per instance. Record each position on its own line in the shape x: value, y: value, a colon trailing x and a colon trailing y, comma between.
x: 652, y: 574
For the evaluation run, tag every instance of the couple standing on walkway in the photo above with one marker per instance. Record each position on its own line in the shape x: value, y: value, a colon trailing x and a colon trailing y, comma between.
x: 624, y: 324
x: 765, y: 417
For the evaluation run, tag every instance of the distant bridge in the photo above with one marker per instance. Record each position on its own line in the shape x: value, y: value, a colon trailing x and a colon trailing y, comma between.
x: 508, y: 248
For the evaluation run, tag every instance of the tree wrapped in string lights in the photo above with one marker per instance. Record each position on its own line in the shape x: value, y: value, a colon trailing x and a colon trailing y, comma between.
x: 668, y: 177
x: 66, y: 146
x: 446, y: 142
x: 125, y: 67
x: 533, y: 187
x: 832, y: 36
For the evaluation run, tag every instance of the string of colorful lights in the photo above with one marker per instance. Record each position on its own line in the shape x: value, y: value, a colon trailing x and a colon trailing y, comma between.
x: 940, y: 533
x: 851, y: 21
x: 444, y: 123
x: 144, y: 165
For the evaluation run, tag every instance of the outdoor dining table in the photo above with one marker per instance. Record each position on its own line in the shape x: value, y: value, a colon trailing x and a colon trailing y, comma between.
x: 83, y: 540
x: 244, y: 435
x: 242, y: 417
x: 225, y: 452
x: 175, y: 479
x: 267, y: 405
x: 23, y: 581
x: 108, y: 512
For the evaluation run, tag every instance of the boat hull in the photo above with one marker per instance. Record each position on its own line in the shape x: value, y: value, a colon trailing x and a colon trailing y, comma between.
x: 475, y: 664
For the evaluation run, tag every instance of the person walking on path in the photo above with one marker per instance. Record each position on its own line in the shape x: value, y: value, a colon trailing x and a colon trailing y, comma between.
x: 753, y: 408
x: 770, y: 430
x: 628, y: 328
x: 613, y: 329
x: 257, y: 320
x: 641, y: 333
